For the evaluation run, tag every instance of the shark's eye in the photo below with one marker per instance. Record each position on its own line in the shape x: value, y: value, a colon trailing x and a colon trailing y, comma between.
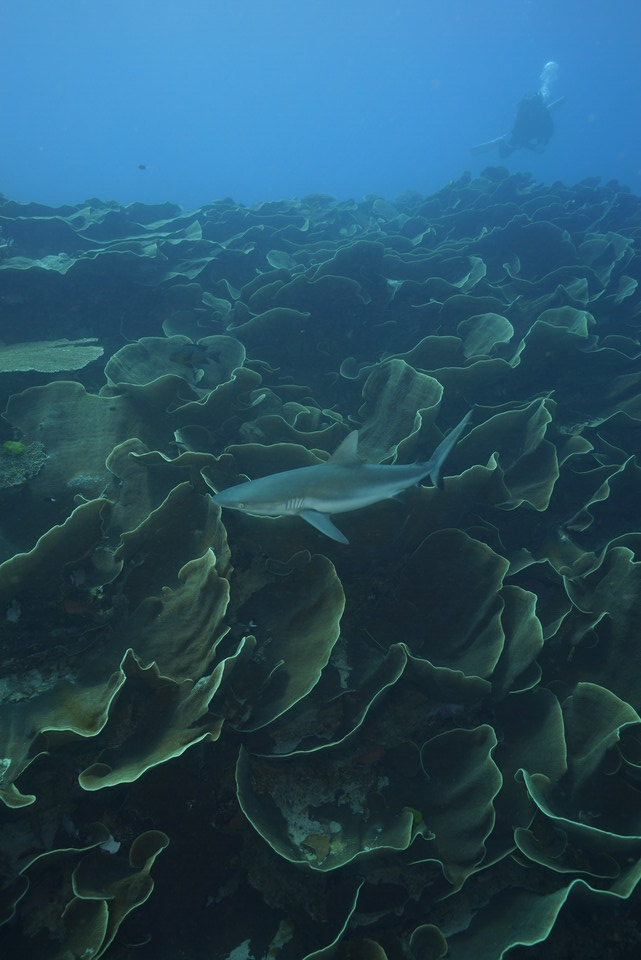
x: 241, y: 506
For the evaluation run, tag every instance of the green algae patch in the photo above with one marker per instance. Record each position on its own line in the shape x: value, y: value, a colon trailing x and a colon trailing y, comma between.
x: 15, y: 448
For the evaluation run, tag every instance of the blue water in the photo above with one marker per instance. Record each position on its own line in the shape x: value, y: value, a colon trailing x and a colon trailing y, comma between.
x: 262, y: 100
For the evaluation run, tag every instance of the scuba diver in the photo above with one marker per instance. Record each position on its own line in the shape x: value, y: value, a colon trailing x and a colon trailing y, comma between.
x: 533, y: 126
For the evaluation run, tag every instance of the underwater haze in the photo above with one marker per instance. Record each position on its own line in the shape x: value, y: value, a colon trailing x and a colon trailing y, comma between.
x: 320, y: 480
x: 193, y: 101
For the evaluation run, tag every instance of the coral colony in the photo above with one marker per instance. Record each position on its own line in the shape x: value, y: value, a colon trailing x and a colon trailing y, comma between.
x: 230, y: 734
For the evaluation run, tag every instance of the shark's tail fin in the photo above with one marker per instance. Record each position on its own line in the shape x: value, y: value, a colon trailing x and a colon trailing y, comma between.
x: 444, y: 448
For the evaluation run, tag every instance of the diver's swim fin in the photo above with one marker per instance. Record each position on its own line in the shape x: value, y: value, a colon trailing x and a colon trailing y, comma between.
x: 489, y: 146
x: 556, y: 104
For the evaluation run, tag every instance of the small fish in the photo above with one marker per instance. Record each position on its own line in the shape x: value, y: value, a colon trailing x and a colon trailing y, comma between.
x: 77, y: 608
x: 142, y: 166
x: 193, y: 356
x: 14, y: 611
x: 341, y: 484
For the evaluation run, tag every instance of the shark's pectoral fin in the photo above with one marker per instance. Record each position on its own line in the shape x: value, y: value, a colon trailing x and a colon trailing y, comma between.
x: 322, y: 522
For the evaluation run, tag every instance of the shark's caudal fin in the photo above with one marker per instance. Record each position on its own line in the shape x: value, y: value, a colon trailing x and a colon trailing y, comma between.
x: 441, y: 453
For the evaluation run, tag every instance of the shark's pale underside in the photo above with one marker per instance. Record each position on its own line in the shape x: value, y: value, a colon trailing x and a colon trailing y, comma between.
x: 341, y: 484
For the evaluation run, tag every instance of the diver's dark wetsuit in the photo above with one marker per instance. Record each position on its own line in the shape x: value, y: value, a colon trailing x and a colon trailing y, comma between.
x: 533, y: 127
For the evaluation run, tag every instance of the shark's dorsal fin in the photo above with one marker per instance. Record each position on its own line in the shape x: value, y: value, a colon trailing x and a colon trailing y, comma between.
x: 346, y: 453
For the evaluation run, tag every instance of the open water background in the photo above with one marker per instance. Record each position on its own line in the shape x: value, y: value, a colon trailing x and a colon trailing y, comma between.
x: 262, y: 100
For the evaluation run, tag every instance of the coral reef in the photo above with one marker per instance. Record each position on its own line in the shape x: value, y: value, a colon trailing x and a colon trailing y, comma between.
x: 49, y: 356
x: 227, y: 735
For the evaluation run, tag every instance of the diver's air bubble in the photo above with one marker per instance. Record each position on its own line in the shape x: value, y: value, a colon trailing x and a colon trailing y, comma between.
x: 548, y: 78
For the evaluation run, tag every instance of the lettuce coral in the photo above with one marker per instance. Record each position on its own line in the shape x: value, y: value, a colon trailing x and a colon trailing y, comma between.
x: 424, y: 743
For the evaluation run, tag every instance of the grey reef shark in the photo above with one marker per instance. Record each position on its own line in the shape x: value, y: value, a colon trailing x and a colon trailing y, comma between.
x: 341, y: 484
